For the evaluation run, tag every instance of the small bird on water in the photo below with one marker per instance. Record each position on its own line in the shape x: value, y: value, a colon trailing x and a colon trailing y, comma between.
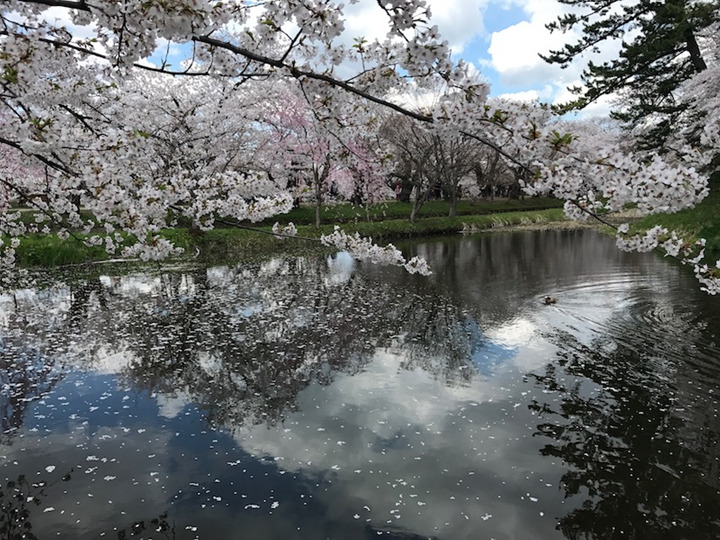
x: 549, y: 300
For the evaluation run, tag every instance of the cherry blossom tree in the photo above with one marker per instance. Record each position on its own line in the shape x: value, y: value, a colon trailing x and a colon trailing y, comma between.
x: 15, y: 168
x: 411, y: 149
x: 69, y: 100
x: 318, y: 155
x: 696, y: 138
x: 429, y: 160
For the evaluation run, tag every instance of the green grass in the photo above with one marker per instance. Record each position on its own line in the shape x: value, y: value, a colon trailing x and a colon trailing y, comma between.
x: 48, y: 250
x: 702, y: 221
x: 347, y: 213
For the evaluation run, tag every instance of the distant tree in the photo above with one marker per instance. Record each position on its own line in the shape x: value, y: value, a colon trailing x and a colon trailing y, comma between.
x: 15, y: 165
x: 454, y: 159
x: 659, y: 52
x: 320, y: 156
x: 490, y: 172
x: 430, y: 160
x: 410, y: 147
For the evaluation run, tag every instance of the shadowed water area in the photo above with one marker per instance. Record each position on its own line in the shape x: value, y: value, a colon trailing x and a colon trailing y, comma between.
x: 319, y: 398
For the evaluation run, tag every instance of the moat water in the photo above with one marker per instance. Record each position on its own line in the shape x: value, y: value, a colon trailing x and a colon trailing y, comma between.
x: 320, y: 398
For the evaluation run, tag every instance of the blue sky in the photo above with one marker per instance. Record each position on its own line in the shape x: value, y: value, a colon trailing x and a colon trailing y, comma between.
x: 503, y: 40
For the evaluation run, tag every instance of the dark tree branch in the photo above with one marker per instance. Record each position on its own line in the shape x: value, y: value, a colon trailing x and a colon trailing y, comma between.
x: 50, y: 163
x: 81, y: 5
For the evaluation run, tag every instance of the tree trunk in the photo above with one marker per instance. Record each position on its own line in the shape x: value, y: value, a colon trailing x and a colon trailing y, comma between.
x: 405, y: 192
x: 416, y: 204
x: 695, y: 55
x: 453, y: 203
x: 515, y: 191
x: 415, y: 208
x: 318, y: 198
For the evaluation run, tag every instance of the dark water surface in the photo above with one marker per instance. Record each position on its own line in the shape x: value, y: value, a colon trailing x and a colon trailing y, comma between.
x: 318, y: 398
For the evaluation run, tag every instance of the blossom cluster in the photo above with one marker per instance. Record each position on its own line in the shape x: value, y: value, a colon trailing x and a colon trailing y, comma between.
x: 642, y: 243
x: 365, y: 250
x: 687, y: 252
x: 284, y: 231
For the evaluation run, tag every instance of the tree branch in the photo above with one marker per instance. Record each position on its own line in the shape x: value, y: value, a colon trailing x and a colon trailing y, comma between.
x: 46, y: 161
x: 79, y: 5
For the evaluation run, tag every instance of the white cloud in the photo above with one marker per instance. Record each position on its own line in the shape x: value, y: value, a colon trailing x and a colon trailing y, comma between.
x: 515, y: 51
x: 515, y: 54
x: 525, y: 95
x: 171, y: 405
x: 459, y: 21
x: 441, y: 436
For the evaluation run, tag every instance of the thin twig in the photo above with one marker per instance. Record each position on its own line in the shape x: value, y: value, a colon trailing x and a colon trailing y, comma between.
x: 593, y: 214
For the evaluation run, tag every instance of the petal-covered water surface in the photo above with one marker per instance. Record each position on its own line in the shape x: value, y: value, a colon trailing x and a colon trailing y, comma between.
x: 319, y: 398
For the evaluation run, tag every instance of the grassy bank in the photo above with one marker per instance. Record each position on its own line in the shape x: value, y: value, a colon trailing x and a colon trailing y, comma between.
x: 395, y: 210
x: 702, y: 221
x: 225, y: 243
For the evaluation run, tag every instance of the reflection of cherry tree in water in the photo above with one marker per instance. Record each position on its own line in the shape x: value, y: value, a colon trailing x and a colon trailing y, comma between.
x: 637, y: 424
x: 82, y: 295
x: 438, y: 338
x: 30, y: 367
x: 18, y: 498
x: 244, y: 343
x: 26, y: 375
